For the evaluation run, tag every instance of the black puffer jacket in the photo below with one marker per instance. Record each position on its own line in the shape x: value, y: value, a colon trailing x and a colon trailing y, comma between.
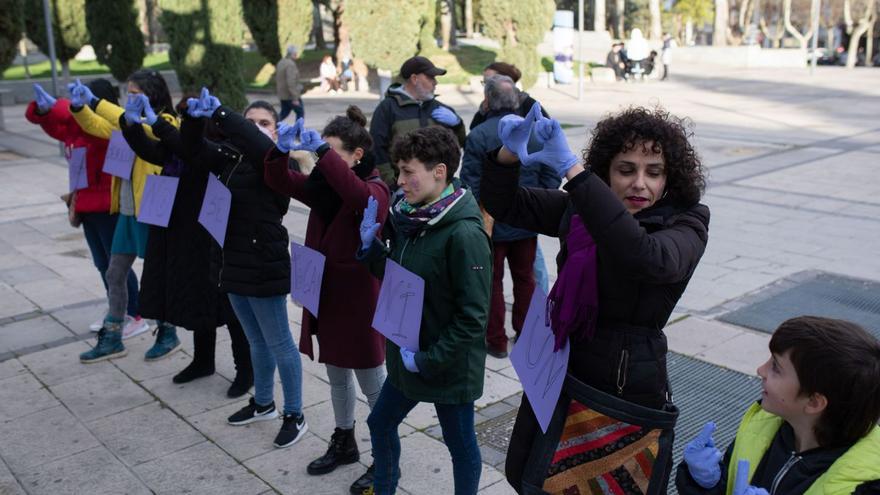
x: 255, y: 260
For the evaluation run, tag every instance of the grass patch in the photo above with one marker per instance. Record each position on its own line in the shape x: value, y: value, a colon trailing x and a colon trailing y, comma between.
x: 463, y: 63
x: 42, y: 70
x: 547, y: 65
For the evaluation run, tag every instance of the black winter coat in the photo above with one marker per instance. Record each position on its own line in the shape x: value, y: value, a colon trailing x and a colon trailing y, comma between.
x: 255, y: 258
x: 179, y: 282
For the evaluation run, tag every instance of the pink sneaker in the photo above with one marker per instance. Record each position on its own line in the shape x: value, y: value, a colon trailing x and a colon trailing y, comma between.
x: 134, y: 326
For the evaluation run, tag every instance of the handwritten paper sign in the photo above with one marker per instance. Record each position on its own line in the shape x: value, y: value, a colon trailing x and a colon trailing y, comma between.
x: 214, y: 214
x: 540, y: 370
x: 76, y: 169
x: 119, y: 158
x: 158, y: 200
x: 306, y: 275
x: 399, y: 309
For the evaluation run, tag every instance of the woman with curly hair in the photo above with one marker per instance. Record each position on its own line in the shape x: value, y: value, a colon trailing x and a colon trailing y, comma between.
x: 632, y: 232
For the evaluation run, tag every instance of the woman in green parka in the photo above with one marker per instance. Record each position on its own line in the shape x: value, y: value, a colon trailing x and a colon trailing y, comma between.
x: 436, y: 232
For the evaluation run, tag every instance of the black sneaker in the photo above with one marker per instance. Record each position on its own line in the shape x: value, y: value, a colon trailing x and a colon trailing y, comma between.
x: 363, y: 484
x: 293, y: 428
x: 253, y: 412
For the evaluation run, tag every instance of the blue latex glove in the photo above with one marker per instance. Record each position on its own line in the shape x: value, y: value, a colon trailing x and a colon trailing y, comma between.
x: 409, y: 360
x: 206, y: 106
x: 702, y: 458
x: 44, y: 100
x: 286, y: 137
x: 445, y: 116
x: 80, y: 94
x: 133, y: 109
x: 555, y: 152
x: 369, y: 226
x: 309, y: 139
x: 742, y: 486
x: 514, y: 131
x: 150, y: 116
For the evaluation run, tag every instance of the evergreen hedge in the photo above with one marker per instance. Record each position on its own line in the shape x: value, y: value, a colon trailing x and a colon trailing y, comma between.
x: 115, y: 35
x: 520, y: 28
x: 274, y: 24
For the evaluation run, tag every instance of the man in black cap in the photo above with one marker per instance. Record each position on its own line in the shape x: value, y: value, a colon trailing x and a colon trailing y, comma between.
x: 409, y: 106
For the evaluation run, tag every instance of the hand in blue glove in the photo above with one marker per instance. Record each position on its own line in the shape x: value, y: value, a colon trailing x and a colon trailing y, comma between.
x: 445, y: 116
x: 514, y: 131
x: 150, y: 116
x: 287, y: 136
x: 133, y: 109
x: 742, y: 486
x: 555, y: 152
x: 702, y: 458
x: 206, y: 106
x: 369, y: 226
x: 44, y: 100
x: 80, y: 94
x: 409, y: 360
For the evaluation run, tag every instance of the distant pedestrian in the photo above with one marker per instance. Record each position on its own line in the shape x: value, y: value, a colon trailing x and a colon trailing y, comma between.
x: 287, y: 84
x: 666, y: 54
x: 406, y: 107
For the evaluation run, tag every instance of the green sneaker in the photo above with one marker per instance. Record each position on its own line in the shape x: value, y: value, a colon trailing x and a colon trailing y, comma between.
x: 109, y: 345
x: 166, y: 342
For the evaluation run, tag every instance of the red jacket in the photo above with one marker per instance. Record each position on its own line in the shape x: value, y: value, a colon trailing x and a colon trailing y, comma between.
x: 59, y: 124
x: 349, y: 291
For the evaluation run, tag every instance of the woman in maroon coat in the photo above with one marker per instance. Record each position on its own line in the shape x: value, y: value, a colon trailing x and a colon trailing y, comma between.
x: 337, y: 191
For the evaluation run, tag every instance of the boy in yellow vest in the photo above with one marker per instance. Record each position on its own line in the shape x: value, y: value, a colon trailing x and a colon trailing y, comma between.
x: 815, y: 429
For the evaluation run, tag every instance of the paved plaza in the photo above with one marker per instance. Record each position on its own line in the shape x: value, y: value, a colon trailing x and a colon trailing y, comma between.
x: 792, y: 160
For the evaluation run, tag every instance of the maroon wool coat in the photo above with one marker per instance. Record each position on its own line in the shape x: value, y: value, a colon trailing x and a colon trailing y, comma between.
x: 349, y: 291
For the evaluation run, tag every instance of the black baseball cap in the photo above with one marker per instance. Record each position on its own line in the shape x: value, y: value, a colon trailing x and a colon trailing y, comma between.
x: 419, y: 65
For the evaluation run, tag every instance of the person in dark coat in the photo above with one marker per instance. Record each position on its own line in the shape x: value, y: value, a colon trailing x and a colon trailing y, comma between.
x: 255, y: 266
x: 634, y: 216
x: 517, y: 246
x: 337, y: 191
x: 181, y: 281
x: 524, y: 101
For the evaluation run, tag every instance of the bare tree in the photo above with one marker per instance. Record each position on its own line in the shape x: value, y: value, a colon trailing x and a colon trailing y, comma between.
x: 656, y: 25
x: 446, y: 35
x: 831, y: 15
x: 469, y: 18
x: 598, y: 15
x: 620, y: 8
x: 866, y: 22
x: 722, y: 14
x: 774, y: 12
x: 802, y: 38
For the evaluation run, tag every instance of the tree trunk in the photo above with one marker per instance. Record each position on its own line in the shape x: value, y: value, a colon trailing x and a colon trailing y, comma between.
x: 656, y: 25
x: 865, y: 23
x: 802, y: 38
x: 22, y: 50
x: 620, y: 8
x: 722, y: 13
x: 599, y: 15
x: 689, y: 32
x: 776, y: 36
x: 829, y: 39
x: 847, y: 16
x: 318, y: 29
x: 445, y: 24
x: 65, y: 72
x: 343, y: 41
x: 469, y: 18
x: 869, y: 48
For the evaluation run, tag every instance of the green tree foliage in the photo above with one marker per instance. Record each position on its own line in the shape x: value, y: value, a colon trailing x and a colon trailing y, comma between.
x: 206, y: 46
x: 10, y: 31
x: 274, y: 24
x: 520, y: 28
x: 697, y: 11
x: 68, y: 27
x: 115, y: 35
x: 385, y: 34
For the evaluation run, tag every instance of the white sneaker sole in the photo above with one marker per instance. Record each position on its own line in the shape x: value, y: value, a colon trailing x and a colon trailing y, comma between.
x: 262, y: 417
x: 141, y: 329
x: 299, y: 436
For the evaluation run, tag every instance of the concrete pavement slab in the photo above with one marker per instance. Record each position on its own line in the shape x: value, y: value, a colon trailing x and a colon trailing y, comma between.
x: 135, y: 366
x: 11, y: 368
x: 144, y: 433
x: 101, y: 394
x: 743, y: 353
x: 496, y: 387
x: 189, y: 399
x: 8, y: 484
x: 61, y: 364
x: 242, y: 442
x: 79, y: 317
x: 27, y: 333
x: 22, y: 395
x: 427, y: 468
x: 11, y: 304
x: 499, y: 488
x: 42, y: 437
x: 693, y: 336
x: 93, y: 471
x: 200, y: 469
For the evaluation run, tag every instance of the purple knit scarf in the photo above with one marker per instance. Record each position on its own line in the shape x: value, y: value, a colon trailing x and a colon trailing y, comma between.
x: 573, y: 303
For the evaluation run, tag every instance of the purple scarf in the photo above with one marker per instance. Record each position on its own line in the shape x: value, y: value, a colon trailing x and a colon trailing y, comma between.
x: 573, y: 303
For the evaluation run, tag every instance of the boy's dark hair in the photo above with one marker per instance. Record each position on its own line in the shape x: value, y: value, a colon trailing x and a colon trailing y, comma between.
x: 105, y: 90
x: 153, y: 85
x: 841, y: 361
x: 265, y: 105
x: 351, y: 130
x: 431, y: 146
x: 685, y: 176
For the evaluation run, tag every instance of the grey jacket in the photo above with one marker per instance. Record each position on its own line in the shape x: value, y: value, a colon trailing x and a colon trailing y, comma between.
x: 287, y: 80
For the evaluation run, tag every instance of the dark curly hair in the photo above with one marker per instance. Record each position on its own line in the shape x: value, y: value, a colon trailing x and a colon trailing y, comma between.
x: 431, y: 146
x: 685, y: 175
x: 350, y: 129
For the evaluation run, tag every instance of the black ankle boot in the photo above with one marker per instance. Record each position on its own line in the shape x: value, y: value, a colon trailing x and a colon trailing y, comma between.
x: 343, y: 449
x: 193, y: 371
x: 243, y: 382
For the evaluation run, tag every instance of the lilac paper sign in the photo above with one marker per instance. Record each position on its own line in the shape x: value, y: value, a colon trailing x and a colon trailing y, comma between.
x: 540, y: 370
x: 119, y: 158
x: 399, y: 309
x: 158, y: 200
x: 215, y: 209
x: 77, y: 171
x: 306, y: 275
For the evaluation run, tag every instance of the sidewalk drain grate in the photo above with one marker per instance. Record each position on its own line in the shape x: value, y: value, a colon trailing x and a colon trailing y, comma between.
x: 496, y: 432
x: 826, y: 294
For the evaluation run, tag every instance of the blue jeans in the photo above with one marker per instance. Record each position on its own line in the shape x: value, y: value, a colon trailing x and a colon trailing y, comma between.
x: 98, y: 229
x: 541, y: 278
x: 265, y: 324
x: 288, y: 105
x: 457, y: 423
